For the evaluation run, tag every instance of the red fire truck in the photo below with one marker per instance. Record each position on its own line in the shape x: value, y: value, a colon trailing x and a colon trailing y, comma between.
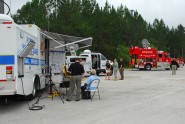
x: 180, y: 61
x: 147, y: 58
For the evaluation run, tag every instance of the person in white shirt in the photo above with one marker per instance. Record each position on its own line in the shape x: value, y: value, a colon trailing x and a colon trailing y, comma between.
x: 115, y: 68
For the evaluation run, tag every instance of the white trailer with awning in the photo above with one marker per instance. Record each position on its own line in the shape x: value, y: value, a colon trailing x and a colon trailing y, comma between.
x: 27, y: 53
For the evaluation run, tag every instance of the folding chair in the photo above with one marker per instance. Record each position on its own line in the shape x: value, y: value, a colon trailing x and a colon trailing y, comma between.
x: 94, y: 87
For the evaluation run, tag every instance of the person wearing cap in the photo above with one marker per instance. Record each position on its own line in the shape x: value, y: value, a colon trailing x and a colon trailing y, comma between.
x: 87, y: 85
x: 77, y: 71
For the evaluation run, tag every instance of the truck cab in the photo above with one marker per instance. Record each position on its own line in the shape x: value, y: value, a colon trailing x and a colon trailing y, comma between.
x: 163, y: 60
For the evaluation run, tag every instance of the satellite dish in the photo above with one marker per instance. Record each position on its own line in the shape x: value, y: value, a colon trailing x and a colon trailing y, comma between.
x: 145, y: 43
x: 72, y: 48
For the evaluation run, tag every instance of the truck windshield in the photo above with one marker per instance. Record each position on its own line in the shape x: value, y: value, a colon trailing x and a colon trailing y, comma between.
x: 167, y: 55
x: 103, y: 58
x: 160, y: 55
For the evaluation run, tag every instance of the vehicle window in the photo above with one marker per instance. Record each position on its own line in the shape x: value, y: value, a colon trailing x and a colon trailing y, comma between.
x: 160, y: 55
x: 84, y: 55
x: 103, y: 58
x: 84, y: 59
x: 73, y: 59
x: 167, y: 56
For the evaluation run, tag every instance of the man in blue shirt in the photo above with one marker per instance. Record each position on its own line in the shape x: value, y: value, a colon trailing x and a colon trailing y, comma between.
x: 87, y: 85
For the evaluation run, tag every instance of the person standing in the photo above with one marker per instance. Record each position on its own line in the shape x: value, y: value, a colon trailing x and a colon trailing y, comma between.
x: 115, y: 68
x: 77, y: 70
x: 174, y: 66
x: 108, y: 70
x: 121, y: 69
x: 94, y: 61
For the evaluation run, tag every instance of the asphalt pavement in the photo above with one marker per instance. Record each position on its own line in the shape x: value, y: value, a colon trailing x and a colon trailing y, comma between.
x: 143, y: 97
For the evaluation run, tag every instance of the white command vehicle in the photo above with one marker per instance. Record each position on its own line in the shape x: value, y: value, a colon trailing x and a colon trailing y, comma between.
x: 97, y: 60
x: 20, y: 58
x: 28, y: 55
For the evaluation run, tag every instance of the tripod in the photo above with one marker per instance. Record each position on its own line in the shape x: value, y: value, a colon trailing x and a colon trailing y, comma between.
x: 52, y: 86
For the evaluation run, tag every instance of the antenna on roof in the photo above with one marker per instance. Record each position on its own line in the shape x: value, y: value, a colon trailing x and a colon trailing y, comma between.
x: 145, y: 43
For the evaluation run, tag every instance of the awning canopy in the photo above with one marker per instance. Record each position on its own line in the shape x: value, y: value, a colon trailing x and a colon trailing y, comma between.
x: 65, y: 40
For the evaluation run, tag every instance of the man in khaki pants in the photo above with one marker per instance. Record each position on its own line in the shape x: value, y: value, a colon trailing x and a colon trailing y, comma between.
x: 115, y: 68
x: 77, y: 70
x: 121, y: 69
x: 174, y: 67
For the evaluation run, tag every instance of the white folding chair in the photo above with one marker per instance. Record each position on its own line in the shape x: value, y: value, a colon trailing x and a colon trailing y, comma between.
x: 94, y: 87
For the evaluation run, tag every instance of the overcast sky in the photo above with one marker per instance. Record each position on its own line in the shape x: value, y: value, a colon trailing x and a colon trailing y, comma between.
x: 171, y: 11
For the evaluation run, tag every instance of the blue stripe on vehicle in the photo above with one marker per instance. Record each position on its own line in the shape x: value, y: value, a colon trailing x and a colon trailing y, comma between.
x: 31, y: 61
x: 42, y: 62
x: 7, y: 60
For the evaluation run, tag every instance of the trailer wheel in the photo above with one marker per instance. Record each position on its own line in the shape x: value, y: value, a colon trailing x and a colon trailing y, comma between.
x: 35, y: 87
x: 148, y: 67
x: 26, y: 97
x: 33, y: 94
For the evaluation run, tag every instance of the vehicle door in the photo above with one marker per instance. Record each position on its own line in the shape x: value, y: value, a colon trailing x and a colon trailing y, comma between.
x: 102, y: 61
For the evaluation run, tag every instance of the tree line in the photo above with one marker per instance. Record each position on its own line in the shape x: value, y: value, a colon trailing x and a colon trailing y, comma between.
x: 114, y: 30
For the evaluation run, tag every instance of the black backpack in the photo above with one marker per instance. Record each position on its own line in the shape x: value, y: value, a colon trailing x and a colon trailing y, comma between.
x: 86, y: 95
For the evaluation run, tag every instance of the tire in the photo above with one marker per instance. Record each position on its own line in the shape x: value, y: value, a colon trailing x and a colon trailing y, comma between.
x: 148, y: 67
x: 35, y: 87
x: 33, y: 94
